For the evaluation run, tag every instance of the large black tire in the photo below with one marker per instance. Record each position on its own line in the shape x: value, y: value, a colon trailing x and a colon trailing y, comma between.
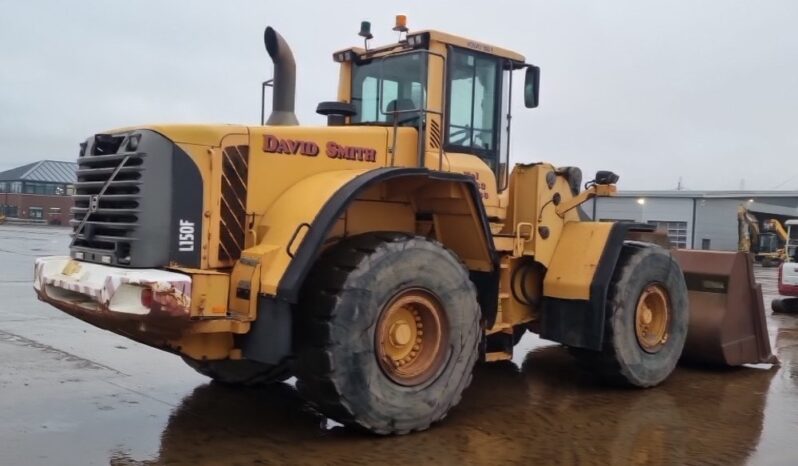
x: 240, y: 372
x: 348, y: 290
x: 623, y: 360
x: 785, y: 305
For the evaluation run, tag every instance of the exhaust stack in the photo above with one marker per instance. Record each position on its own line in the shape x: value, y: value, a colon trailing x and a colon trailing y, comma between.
x: 284, y: 79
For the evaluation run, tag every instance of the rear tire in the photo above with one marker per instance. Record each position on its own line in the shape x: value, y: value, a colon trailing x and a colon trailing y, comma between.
x: 353, y: 323
x: 240, y: 372
x: 647, y: 319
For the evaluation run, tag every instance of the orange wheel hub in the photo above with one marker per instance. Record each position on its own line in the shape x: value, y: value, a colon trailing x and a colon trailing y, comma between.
x: 652, y: 318
x: 412, y: 337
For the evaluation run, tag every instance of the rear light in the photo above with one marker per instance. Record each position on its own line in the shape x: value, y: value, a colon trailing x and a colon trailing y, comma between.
x: 146, y: 297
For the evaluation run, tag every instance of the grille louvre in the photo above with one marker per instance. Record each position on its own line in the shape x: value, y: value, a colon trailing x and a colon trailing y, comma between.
x: 232, y: 227
x: 110, y: 227
x: 434, y: 134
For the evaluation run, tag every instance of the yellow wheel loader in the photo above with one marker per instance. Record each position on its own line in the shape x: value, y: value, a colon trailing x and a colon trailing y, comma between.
x: 380, y: 257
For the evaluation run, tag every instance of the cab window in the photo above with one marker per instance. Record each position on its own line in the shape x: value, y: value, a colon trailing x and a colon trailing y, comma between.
x: 382, y: 86
x: 474, y: 97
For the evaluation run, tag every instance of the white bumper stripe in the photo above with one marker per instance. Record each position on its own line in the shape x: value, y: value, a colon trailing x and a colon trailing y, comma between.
x: 101, y: 283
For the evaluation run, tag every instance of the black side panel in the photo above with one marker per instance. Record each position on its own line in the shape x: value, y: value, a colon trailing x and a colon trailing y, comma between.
x: 143, y: 197
x: 308, y: 251
x: 186, y: 219
x: 128, y: 225
x: 580, y: 323
x: 269, y: 340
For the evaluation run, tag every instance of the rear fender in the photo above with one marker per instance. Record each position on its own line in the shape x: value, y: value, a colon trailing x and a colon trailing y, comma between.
x: 314, y: 213
x: 308, y: 217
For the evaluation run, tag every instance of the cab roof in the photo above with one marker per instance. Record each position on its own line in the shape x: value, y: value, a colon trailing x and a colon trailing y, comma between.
x: 446, y: 38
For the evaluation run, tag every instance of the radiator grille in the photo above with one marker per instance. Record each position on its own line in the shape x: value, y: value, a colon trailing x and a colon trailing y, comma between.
x: 110, y: 227
x: 235, y: 164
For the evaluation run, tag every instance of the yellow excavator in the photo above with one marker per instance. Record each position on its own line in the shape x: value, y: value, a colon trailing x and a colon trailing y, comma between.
x: 766, y: 242
x: 379, y: 257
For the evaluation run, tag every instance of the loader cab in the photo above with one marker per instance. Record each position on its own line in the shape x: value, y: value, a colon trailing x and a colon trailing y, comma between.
x: 456, y: 92
x: 768, y: 243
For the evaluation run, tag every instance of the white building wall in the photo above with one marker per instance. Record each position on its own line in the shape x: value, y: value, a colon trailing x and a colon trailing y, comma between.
x: 716, y: 220
x: 652, y: 209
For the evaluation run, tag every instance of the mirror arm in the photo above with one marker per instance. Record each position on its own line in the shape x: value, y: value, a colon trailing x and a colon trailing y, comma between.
x: 596, y: 190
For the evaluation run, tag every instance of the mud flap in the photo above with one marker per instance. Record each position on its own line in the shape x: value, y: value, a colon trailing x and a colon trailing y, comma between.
x: 727, y: 313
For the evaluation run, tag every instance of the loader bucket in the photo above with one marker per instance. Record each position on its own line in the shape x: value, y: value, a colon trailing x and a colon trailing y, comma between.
x: 727, y: 314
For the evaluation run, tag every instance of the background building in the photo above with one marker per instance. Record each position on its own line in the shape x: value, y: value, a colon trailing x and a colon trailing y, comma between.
x: 695, y: 219
x: 39, y: 191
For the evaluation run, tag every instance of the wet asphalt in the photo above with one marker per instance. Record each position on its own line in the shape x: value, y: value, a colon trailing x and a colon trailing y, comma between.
x: 71, y: 394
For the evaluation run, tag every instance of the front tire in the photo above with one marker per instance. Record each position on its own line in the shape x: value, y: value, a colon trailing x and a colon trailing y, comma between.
x: 647, y: 319
x: 389, y: 332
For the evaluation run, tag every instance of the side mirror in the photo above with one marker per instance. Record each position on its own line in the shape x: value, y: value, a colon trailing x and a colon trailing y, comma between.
x: 606, y: 177
x: 532, y: 86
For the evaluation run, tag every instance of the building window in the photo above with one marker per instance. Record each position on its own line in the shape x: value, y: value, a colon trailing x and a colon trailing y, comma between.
x: 677, y: 231
x: 35, y: 212
x: 706, y: 244
x: 3, y: 187
x: 16, y: 187
x: 49, y: 189
x: 8, y: 210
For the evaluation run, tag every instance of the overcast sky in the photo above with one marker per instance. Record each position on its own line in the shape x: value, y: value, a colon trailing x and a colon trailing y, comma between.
x: 702, y: 90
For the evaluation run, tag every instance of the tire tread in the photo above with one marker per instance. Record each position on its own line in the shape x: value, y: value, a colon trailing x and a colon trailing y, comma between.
x: 315, y: 367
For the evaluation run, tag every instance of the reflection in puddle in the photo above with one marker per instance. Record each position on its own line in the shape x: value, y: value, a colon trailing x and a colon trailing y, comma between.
x: 546, y: 411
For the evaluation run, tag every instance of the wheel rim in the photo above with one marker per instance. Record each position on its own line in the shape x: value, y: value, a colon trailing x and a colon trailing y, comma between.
x: 412, y: 336
x: 652, y: 317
